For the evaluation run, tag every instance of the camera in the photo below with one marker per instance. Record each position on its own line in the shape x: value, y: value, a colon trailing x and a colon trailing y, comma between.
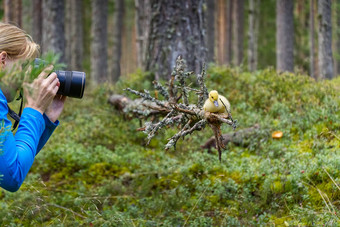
x: 72, y: 83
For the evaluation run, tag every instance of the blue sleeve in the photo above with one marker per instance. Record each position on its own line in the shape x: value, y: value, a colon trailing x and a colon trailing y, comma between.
x: 17, y: 153
x: 49, y: 129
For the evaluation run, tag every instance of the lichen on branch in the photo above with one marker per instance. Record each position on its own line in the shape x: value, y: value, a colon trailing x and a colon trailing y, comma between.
x: 177, y: 110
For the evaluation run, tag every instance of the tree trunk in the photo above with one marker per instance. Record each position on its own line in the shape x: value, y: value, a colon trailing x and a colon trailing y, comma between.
x: 13, y: 12
x: 238, y: 31
x: 325, y: 39
x: 37, y: 21
x: 252, y: 36
x: 229, y: 32
x: 284, y: 35
x: 76, y: 56
x: 337, y: 58
x: 311, y: 39
x: 68, y: 25
x: 210, y: 30
x: 117, y: 36
x: 53, y: 27
x: 143, y: 18
x: 173, y: 35
x: 221, y: 23
x: 99, y: 41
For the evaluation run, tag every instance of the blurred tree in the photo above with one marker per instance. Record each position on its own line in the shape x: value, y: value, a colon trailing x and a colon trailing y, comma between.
x: 284, y: 35
x: 53, y: 27
x: 143, y: 18
x: 76, y: 35
x: 117, y: 43
x: 99, y: 41
x: 229, y: 31
x: 221, y: 31
x: 325, y: 55
x: 177, y: 28
x: 210, y: 15
x: 337, y: 38
x: 311, y: 39
x: 37, y: 21
x: 252, y: 34
x: 13, y: 12
x: 238, y: 31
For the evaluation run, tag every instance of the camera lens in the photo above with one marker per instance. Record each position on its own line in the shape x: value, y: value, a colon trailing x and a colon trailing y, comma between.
x: 72, y: 83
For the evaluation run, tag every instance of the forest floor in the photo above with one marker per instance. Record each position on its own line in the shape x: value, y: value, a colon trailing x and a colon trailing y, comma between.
x: 96, y: 169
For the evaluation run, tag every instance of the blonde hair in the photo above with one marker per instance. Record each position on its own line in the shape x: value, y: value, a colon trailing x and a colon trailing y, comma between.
x: 17, y: 43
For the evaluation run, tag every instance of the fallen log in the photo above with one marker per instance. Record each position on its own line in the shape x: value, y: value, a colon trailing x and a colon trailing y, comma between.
x: 234, y: 137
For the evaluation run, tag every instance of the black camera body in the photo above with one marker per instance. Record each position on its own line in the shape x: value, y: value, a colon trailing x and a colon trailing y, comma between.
x: 72, y: 83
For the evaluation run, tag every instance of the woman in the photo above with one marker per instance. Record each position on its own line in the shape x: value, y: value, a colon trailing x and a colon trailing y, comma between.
x: 39, y: 117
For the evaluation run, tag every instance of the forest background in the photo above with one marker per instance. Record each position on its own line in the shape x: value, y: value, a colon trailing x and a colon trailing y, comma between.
x: 265, y: 56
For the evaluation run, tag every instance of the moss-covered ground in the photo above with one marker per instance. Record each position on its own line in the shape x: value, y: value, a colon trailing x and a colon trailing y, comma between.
x: 97, y: 171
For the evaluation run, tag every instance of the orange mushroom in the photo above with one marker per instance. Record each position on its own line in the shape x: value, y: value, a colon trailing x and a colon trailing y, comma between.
x: 277, y: 135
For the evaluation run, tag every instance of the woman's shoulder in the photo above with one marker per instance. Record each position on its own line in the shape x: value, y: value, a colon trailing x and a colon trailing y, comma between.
x: 2, y: 97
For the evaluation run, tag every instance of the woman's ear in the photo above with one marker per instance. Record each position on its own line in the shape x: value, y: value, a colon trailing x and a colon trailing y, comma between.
x: 3, y: 58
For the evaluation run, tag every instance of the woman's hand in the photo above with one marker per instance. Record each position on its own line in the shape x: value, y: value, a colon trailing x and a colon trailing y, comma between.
x: 42, y: 91
x: 56, y: 107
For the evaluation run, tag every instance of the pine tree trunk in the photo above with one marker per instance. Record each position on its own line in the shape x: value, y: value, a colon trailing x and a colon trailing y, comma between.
x: 311, y: 39
x: 229, y: 32
x: 37, y: 21
x: 337, y: 59
x: 99, y: 41
x: 68, y: 25
x: 13, y: 11
x: 76, y: 56
x: 117, y: 36
x: 325, y: 39
x: 177, y: 28
x: 53, y: 27
x: 18, y: 12
x: 251, y: 36
x: 284, y: 35
x: 210, y: 30
x: 8, y: 10
x: 221, y: 39
x: 238, y: 31
x: 143, y: 18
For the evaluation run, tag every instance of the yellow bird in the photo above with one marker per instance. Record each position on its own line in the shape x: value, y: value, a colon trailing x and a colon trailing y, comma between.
x: 216, y: 103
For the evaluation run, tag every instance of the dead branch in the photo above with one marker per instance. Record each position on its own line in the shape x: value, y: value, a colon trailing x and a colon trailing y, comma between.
x: 176, y: 108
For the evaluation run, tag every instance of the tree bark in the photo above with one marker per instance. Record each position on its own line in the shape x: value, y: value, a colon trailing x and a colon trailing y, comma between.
x: 238, y: 31
x: 76, y: 56
x: 117, y: 36
x: 337, y: 57
x: 252, y: 36
x: 221, y: 23
x: 99, y: 41
x: 13, y: 12
x: 311, y: 39
x: 143, y: 18
x: 229, y: 32
x: 325, y: 39
x: 68, y: 25
x: 53, y: 27
x: 284, y: 35
x: 177, y: 28
x: 37, y: 21
x: 210, y: 30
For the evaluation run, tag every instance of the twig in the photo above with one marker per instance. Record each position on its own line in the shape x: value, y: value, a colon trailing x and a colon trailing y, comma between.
x: 195, y: 206
x: 65, y: 208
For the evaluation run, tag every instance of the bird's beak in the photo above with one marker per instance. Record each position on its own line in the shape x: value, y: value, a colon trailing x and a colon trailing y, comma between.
x: 216, y: 103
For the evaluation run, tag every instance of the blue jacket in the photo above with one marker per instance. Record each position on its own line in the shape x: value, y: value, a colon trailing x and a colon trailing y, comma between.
x: 17, y: 152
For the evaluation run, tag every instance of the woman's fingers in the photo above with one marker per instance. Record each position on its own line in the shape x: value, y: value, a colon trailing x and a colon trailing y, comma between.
x: 45, y: 72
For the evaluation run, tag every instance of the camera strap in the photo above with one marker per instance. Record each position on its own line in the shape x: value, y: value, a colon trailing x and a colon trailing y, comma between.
x: 14, y: 115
